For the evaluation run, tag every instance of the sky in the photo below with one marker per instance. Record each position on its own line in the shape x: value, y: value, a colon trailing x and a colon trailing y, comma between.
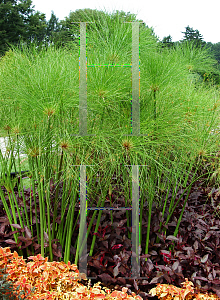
x: 166, y: 17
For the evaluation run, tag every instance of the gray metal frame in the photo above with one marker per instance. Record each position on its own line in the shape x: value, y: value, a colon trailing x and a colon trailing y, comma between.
x: 135, y: 130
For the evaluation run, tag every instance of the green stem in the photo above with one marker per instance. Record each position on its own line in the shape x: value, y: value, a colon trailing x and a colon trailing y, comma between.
x: 2, y: 196
x: 42, y: 214
x: 23, y: 197
x: 65, y: 198
x: 76, y: 242
x: 56, y: 195
x: 186, y: 190
x: 69, y: 236
x: 78, y: 252
x: 151, y: 190
x: 155, y: 105
x: 96, y: 229
x: 18, y: 210
x: 179, y: 220
x: 34, y: 195
x: 148, y: 228
x: 126, y: 203
x: 48, y: 222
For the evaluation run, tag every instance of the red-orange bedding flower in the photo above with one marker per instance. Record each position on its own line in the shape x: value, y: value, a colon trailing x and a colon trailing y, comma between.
x: 52, y: 280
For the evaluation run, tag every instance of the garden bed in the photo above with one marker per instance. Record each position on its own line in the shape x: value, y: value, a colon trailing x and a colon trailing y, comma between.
x: 195, y: 255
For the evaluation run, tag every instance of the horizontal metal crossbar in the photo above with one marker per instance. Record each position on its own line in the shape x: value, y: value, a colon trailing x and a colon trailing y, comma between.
x: 110, y: 65
x: 109, y: 208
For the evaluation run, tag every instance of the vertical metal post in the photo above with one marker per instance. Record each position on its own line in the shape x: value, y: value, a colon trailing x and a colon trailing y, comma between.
x: 135, y: 222
x: 135, y: 80
x: 83, y: 227
x: 82, y: 82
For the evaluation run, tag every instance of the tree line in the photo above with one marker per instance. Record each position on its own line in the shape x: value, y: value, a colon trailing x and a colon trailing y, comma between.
x: 196, y: 39
x: 21, y: 25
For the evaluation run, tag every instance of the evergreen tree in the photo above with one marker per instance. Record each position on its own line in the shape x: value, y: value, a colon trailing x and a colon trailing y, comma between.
x: 36, y: 28
x: 19, y: 22
x: 193, y: 36
x: 53, y: 27
x: 12, y: 24
x: 215, y: 49
x: 167, y: 42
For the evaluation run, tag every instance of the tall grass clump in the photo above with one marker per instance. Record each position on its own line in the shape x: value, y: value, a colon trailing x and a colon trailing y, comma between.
x: 39, y: 115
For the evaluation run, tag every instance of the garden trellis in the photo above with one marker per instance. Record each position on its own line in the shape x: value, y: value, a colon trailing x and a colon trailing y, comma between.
x: 135, y: 131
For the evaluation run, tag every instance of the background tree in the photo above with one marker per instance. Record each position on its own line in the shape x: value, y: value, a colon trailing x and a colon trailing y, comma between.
x: 215, y: 49
x: 53, y: 27
x: 19, y: 22
x: 167, y: 42
x: 191, y: 35
x: 36, y: 28
x: 12, y: 22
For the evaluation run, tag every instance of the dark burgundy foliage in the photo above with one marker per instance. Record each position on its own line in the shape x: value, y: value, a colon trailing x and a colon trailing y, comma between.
x: 193, y: 254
